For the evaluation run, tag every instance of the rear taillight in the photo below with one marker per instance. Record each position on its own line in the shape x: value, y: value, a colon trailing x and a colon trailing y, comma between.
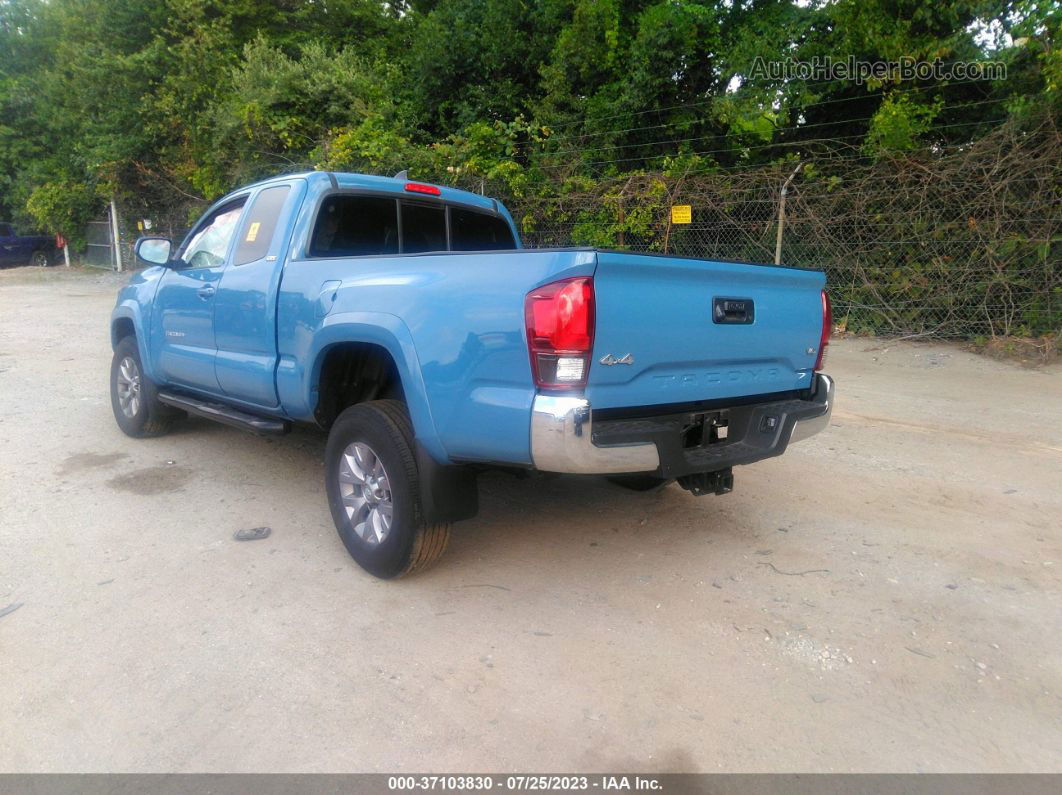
x: 827, y: 325
x: 560, y: 332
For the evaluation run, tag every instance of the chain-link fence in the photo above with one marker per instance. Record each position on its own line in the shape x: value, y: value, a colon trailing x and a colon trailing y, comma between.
x: 99, y: 246
x: 959, y: 244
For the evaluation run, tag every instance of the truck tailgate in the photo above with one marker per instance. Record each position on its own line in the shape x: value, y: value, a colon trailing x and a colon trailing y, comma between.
x: 660, y: 311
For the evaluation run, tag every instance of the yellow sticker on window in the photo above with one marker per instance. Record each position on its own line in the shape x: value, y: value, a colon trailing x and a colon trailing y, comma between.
x: 681, y: 214
x: 252, y: 232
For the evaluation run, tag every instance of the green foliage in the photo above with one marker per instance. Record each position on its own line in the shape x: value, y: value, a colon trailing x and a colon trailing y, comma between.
x: 475, y: 60
x: 63, y: 208
x: 166, y: 104
x: 282, y: 109
x: 899, y: 125
x: 370, y: 146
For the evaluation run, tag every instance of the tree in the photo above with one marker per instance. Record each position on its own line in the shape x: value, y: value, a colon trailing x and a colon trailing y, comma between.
x: 169, y: 103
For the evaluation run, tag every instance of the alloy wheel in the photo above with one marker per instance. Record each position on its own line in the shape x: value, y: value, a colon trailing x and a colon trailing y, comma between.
x: 366, y: 493
x: 129, y: 387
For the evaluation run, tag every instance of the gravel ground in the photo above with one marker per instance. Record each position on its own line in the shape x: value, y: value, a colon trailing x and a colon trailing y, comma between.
x: 884, y: 597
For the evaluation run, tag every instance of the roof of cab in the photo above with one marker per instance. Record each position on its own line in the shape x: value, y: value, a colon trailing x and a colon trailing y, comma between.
x: 388, y: 185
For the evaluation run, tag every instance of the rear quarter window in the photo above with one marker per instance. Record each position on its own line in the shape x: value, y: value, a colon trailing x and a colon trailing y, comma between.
x: 472, y: 231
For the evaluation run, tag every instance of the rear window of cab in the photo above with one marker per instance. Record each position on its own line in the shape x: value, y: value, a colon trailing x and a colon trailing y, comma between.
x: 358, y: 226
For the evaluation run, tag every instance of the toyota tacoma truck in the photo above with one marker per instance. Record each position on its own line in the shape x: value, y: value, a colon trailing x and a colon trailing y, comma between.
x: 408, y: 321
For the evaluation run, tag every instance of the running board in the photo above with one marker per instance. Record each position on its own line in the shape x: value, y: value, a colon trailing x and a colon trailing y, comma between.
x: 219, y: 412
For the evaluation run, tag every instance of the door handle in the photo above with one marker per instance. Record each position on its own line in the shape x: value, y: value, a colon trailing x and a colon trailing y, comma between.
x: 739, y: 311
x: 205, y: 292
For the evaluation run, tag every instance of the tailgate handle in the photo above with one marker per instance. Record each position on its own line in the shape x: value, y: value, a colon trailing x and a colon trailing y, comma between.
x: 738, y: 311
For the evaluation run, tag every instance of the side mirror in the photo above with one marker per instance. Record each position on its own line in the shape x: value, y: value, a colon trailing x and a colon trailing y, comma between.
x: 153, y: 250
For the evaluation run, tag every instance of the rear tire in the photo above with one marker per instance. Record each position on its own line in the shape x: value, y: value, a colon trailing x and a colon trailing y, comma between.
x: 640, y: 482
x: 373, y: 491
x: 39, y: 259
x: 134, y: 398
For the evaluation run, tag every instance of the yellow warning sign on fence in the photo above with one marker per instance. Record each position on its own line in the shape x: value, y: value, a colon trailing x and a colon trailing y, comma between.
x: 681, y: 214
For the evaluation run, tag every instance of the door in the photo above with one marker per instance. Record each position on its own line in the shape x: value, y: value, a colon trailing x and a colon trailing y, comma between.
x: 9, y: 248
x: 182, y: 328
x: 245, y: 311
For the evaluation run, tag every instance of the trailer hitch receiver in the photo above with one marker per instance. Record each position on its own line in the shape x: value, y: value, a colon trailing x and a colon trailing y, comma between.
x: 702, y: 483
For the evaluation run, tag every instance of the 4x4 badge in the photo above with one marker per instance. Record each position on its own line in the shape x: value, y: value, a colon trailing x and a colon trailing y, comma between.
x: 608, y: 359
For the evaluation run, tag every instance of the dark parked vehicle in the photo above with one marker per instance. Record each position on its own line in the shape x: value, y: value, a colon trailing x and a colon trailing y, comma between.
x: 17, y: 249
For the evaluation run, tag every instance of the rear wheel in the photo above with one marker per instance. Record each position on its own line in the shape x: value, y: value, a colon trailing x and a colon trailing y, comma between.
x: 640, y: 482
x: 134, y: 399
x: 39, y: 259
x: 374, y: 491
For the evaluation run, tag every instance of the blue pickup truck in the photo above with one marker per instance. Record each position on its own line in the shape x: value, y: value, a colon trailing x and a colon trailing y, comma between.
x: 408, y: 321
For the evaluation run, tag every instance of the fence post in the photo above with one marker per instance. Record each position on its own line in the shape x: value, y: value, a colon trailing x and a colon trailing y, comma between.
x: 781, y: 215
x: 117, y: 239
x: 622, y: 214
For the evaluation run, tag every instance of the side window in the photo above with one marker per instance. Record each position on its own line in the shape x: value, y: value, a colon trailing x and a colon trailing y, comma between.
x: 472, y: 231
x: 6, y: 230
x: 261, y: 222
x: 210, y: 242
x: 423, y: 228
x: 352, y: 226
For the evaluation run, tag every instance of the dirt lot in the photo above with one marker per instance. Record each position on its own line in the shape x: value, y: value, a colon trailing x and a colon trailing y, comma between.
x: 884, y: 597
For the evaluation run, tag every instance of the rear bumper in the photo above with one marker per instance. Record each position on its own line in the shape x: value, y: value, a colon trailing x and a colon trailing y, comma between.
x: 566, y: 438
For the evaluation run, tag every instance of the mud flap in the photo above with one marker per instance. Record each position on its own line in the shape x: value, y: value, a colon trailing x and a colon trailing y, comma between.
x: 447, y: 493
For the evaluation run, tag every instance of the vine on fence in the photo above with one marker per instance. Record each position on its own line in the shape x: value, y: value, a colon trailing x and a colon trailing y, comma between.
x: 961, y: 243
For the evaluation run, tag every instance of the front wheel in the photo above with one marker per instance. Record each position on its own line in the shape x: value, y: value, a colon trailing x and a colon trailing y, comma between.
x: 134, y: 399
x: 39, y: 259
x: 374, y: 491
